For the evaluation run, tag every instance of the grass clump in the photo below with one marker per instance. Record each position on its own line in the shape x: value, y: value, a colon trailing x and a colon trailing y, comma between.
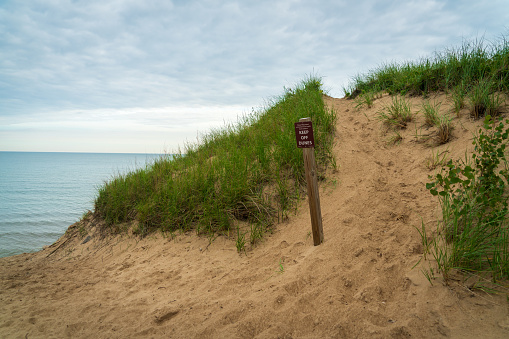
x: 397, y: 114
x: 430, y: 112
x: 473, y: 233
x: 444, y: 132
x: 437, y: 159
x: 367, y: 98
x: 458, y: 97
x: 249, y: 173
x: 484, y: 101
x: 443, y: 122
x: 455, y: 69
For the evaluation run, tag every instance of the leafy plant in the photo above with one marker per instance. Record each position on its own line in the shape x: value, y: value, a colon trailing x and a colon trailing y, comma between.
x: 473, y: 233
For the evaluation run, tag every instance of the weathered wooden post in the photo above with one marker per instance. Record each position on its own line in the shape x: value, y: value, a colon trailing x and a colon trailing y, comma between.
x: 306, y: 141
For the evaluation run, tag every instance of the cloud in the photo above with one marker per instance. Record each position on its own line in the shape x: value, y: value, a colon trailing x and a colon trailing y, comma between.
x: 104, y: 56
x: 133, y: 130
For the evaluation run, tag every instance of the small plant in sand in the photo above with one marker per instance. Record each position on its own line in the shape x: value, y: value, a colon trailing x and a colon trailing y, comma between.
x: 443, y: 122
x: 82, y: 230
x: 281, y: 269
x: 397, y: 114
x: 240, y: 242
x: 484, y: 101
x: 437, y: 159
x: 395, y: 138
x: 366, y: 98
x: 256, y: 233
x: 473, y: 234
x: 444, y: 132
x: 86, y: 215
x: 430, y: 112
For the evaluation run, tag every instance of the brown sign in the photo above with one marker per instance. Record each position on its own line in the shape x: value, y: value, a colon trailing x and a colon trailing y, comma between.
x: 304, y: 134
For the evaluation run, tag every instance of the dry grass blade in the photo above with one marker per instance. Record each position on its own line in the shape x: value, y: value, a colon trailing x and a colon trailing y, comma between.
x: 445, y: 128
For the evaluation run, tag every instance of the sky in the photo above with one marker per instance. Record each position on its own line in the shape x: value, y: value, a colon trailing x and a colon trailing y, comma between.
x: 148, y: 76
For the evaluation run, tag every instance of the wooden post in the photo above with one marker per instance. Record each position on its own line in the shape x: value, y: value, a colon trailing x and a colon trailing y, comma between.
x: 313, y: 196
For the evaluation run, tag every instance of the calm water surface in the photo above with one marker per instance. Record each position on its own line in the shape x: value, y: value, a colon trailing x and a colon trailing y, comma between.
x: 41, y: 194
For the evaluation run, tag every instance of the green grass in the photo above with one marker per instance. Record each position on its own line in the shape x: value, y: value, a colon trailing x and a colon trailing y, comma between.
x: 455, y: 69
x: 430, y: 112
x: 437, y: 159
x: 458, y: 95
x: 367, y: 98
x: 484, y: 100
x: 247, y: 172
x: 397, y: 114
x: 473, y: 234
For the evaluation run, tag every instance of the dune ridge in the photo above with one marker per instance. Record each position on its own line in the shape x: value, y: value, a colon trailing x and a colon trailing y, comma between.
x: 360, y: 283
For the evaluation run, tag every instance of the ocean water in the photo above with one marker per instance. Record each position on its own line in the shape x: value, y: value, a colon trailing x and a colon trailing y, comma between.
x: 41, y: 194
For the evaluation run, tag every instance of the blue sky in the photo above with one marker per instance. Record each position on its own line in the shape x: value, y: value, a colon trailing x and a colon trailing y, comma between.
x: 148, y: 76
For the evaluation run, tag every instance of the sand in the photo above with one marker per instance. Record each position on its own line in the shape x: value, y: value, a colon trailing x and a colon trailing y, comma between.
x: 360, y: 283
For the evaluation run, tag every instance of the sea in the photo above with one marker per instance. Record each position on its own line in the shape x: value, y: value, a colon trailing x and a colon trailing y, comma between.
x: 42, y: 194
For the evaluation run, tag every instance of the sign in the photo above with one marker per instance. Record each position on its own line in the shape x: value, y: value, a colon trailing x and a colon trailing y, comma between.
x: 304, y: 134
x: 306, y: 141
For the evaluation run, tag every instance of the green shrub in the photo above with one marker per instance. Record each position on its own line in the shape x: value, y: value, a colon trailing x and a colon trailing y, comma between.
x: 473, y: 233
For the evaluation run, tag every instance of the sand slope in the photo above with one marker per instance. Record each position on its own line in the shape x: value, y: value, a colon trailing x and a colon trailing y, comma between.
x: 358, y: 284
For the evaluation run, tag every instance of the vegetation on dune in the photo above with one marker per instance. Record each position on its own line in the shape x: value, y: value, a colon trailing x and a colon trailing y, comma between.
x: 248, y: 173
x: 473, y: 234
x: 457, y: 70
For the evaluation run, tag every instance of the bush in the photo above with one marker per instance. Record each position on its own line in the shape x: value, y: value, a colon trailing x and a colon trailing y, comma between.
x: 473, y: 233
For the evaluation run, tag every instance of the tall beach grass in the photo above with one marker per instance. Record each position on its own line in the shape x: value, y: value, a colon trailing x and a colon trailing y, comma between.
x: 473, y: 233
x: 238, y: 179
x: 452, y: 70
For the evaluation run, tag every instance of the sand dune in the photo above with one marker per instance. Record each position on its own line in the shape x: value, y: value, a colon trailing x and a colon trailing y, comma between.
x: 358, y: 284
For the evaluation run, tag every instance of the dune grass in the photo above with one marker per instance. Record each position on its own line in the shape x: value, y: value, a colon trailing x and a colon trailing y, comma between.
x: 248, y: 173
x: 473, y: 234
x: 456, y: 70
x: 397, y: 114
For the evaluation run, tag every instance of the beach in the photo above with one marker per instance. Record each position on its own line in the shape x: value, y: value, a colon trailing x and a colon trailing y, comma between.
x: 363, y: 281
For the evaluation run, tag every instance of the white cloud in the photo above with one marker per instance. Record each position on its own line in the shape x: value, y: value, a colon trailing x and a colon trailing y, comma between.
x: 133, y: 130
x: 111, y: 56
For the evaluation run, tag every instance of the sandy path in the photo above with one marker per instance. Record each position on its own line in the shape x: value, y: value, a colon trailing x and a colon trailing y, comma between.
x: 359, y: 283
